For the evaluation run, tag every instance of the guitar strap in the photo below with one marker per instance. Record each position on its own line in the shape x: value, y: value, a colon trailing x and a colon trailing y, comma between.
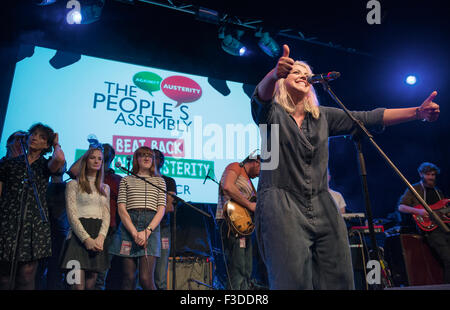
x: 251, y: 183
x: 425, y: 192
x: 254, y: 191
x: 229, y: 228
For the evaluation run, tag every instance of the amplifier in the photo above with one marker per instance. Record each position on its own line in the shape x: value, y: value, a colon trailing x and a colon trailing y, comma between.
x: 412, y: 261
x: 191, y: 273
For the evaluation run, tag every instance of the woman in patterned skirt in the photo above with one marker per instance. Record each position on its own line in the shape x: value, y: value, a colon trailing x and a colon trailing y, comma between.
x: 87, y: 204
x: 141, y: 207
x: 16, y: 193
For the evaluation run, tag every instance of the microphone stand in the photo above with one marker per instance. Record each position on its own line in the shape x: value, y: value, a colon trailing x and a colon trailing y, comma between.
x: 176, y: 200
x: 200, y: 283
x: 128, y: 164
x: 28, y: 180
x: 362, y: 131
x: 220, y: 231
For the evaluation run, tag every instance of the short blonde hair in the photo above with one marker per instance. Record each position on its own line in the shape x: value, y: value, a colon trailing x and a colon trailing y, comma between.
x: 282, y: 97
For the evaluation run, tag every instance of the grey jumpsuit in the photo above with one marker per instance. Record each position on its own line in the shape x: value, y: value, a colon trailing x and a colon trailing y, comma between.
x: 302, y: 237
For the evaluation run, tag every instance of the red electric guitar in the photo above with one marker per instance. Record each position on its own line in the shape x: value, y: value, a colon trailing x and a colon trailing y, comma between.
x: 441, y: 208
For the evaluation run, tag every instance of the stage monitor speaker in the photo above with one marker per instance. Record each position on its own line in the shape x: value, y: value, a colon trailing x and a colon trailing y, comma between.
x: 192, y: 273
x: 412, y: 262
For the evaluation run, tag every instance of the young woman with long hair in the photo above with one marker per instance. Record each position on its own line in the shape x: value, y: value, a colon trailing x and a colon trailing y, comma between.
x: 141, y: 207
x: 87, y: 203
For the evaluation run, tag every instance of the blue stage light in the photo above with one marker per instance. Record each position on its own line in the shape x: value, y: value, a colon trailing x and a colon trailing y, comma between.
x: 231, y: 44
x: 84, y: 11
x: 268, y: 44
x: 77, y: 17
x: 411, y: 80
x: 44, y: 2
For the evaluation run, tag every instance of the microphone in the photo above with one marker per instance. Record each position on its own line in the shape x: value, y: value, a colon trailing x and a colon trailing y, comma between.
x: 118, y: 165
x: 128, y: 162
x: 323, y: 77
x: 206, y: 177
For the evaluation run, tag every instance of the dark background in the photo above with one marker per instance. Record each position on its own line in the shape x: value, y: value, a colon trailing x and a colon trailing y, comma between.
x: 413, y: 38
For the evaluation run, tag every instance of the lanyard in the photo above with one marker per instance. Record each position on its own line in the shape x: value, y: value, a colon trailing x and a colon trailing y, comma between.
x: 425, y: 192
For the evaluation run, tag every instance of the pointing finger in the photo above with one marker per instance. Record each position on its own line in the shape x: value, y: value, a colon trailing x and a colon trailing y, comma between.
x: 431, y: 96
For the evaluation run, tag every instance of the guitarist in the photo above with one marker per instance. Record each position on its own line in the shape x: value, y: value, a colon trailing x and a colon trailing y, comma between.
x: 236, y: 184
x: 426, y: 188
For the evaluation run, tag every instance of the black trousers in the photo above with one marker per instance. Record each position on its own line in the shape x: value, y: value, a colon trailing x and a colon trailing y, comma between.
x: 439, y: 241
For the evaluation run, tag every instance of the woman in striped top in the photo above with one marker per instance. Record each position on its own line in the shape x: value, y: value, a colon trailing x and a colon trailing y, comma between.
x: 141, y: 207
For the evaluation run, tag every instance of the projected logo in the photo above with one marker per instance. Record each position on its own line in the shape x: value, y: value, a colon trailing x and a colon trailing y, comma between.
x: 147, y: 81
x: 181, y: 89
x: 178, y: 88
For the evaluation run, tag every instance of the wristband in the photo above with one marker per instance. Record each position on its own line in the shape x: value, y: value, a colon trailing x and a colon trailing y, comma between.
x: 417, y: 115
x: 149, y: 228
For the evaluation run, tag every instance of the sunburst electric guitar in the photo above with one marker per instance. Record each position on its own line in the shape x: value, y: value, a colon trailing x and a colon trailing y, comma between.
x: 238, y: 217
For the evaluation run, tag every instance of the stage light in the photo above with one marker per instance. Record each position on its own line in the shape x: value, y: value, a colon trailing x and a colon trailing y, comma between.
x: 232, y: 45
x: 74, y: 17
x: 91, y: 11
x: 84, y: 11
x: 268, y: 44
x: 207, y: 15
x: 411, y: 80
x: 44, y: 2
